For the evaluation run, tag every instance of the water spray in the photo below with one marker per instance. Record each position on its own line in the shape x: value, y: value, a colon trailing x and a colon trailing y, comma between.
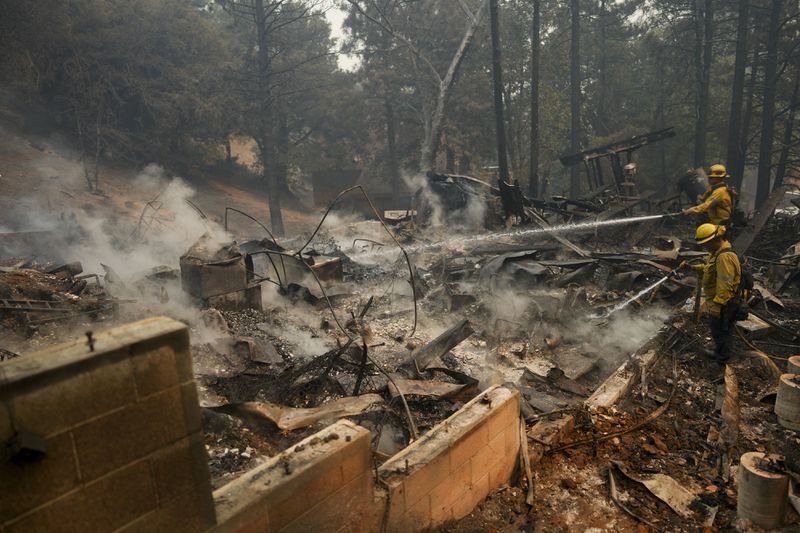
x: 560, y: 229
x: 641, y: 293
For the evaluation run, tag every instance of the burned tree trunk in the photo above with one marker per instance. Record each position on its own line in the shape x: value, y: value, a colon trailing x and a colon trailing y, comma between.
x: 575, y: 96
x: 735, y: 154
x: 780, y: 171
x: 768, y: 109
x: 704, y: 19
x: 497, y: 84
x: 533, y: 168
x: 738, y: 170
x: 269, y: 173
x: 391, y: 140
x: 602, y: 114
x: 282, y: 156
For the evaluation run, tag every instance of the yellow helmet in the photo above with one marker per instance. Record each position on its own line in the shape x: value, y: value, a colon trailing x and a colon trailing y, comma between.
x: 718, y: 171
x: 708, y: 232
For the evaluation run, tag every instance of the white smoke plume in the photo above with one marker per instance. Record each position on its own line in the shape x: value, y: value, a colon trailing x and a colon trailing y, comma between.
x: 164, y: 228
x: 470, y: 218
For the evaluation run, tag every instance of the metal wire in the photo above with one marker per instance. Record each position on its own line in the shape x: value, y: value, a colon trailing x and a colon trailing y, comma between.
x: 321, y: 288
x: 385, y: 227
x: 254, y: 219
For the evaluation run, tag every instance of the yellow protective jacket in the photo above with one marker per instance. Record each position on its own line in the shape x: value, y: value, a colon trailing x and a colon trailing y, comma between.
x: 717, y: 202
x: 722, y: 274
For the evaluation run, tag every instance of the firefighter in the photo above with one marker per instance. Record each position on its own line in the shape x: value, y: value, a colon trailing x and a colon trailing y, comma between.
x: 721, y: 278
x: 717, y: 201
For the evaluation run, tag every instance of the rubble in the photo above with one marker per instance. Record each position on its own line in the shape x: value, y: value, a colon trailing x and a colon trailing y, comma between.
x: 395, y: 329
x: 33, y: 294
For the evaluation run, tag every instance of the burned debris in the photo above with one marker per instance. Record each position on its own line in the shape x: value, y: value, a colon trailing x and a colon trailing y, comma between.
x: 397, y: 324
x: 33, y: 294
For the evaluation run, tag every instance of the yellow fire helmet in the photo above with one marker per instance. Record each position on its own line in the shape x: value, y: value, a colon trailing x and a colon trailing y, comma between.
x: 718, y: 171
x: 708, y: 232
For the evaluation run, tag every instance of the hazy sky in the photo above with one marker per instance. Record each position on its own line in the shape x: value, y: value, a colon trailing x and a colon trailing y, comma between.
x: 336, y: 17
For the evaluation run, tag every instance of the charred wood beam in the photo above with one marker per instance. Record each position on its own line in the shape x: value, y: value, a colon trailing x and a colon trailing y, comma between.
x: 626, y: 145
x: 563, y: 240
x: 425, y: 356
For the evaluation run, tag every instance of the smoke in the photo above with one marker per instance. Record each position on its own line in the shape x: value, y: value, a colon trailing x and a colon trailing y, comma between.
x: 539, y: 314
x: 305, y: 344
x: 157, y: 235
x: 65, y: 173
x: 142, y: 223
x: 468, y: 218
x: 615, y: 340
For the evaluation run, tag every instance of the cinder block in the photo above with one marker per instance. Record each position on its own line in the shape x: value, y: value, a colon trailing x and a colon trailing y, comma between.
x: 488, y: 455
x: 306, y: 473
x: 284, y: 511
x: 28, y: 485
x: 469, y: 444
x: 143, y: 524
x: 174, y: 471
x: 191, y: 512
x: 254, y: 520
x: 191, y: 407
x: 395, y: 501
x: 500, y: 472
x: 55, y: 406
x: 506, y: 415
x: 120, y: 497
x: 450, y: 489
x: 178, y: 341
x: 423, y: 480
x: 67, y: 513
x: 127, y: 435
x: 290, y: 498
x: 185, y: 514
x: 104, y: 505
x: 202, y: 474
x: 352, y: 506
x: 417, y: 518
x: 75, y: 357
x: 464, y: 505
x: 512, y: 441
x: 155, y: 371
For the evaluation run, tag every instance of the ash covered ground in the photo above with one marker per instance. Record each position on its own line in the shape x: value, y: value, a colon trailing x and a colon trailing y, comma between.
x: 489, y: 306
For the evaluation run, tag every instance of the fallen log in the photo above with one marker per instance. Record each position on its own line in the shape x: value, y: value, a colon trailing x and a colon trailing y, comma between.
x: 423, y: 357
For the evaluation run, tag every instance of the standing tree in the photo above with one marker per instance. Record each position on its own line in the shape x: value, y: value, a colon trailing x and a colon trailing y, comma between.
x: 734, y: 153
x: 788, y: 133
x: 497, y: 85
x: 433, y: 106
x: 704, y: 33
x: 281, y: 48
x: 575, y: 96
x: 533, y: 168
x: 768, y: 109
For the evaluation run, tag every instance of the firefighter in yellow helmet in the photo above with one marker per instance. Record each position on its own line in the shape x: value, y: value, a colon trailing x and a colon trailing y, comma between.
x: 721, y: 279
x: 717, y: 201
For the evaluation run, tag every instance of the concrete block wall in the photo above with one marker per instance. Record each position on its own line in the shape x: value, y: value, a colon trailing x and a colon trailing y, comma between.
x: 121, y: 423
x: 447, y: 472
x: 322, y: 484
x: 124, y: 452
